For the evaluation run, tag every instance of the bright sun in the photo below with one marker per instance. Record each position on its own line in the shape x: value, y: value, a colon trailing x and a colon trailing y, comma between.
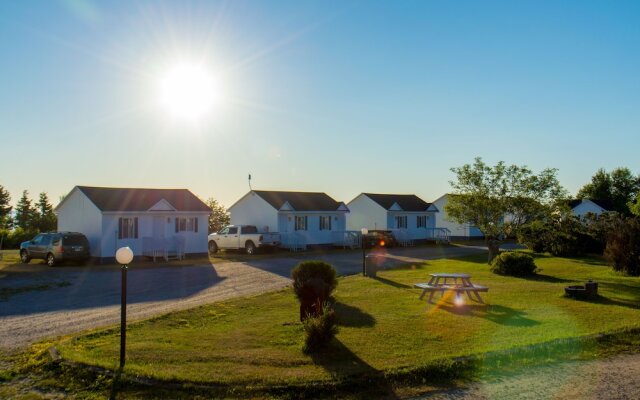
x: 188, y: 91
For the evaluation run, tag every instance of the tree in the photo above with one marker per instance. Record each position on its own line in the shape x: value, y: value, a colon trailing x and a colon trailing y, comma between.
x: 46, y: 218
x: 25, y: 213
x: 5, y: 208
x: 634, y: 208
x: 623, y: 246
x: 500, y: 199
x: 617, y: 188
x: 219, y: 217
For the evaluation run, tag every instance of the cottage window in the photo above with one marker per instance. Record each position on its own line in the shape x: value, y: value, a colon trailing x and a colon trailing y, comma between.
x: 128, y: 228
x: 401, y: 221
x: 422, y: 221
x: 301, y: 223
x: 325, y: 222
x: 187, y: 224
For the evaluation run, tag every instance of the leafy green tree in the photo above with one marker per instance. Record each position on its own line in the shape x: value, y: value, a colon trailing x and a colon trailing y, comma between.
x: 617, y: 188
x: 219, y: 217
x: 623, y: 246
x: 46, y: 219
x: 25, y: 216
x: 634, y: 207
x: 500, y: 199
x: 5, y: 208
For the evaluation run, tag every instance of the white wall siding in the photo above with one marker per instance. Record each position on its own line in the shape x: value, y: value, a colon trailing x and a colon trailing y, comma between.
x: 313, y: 235
x: 412, y: 229
x: 366, y: 213
x: 254, y: 210
x: 457, y: 230
x: 78, y: 214
x: 195, y: 242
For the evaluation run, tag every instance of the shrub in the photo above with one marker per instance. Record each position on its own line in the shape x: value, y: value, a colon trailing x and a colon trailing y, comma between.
x: 514, y: 264
x: 623, y: 246
x: 11, y: 239
x: 565, y: 235
x: 313, y: 283
x: 320, y: 329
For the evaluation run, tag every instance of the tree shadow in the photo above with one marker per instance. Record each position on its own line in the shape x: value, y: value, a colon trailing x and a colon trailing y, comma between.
x: 392, y: 283
x: 495, y: 313
x: 352, y: 373
x: 353, y: 317
x: 545, y: 278
x: 85, y: 288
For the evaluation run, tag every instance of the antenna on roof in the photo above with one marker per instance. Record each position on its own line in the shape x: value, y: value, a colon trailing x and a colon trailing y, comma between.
x: 250, y: 182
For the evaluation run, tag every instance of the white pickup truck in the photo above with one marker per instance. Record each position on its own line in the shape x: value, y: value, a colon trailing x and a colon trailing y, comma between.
x: 244, y: 237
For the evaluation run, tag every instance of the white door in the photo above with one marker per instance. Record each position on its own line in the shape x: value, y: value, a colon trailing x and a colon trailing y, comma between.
x: 159, y: 228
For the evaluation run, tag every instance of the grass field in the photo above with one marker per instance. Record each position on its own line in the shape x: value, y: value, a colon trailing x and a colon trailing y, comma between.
x: 384, y: 327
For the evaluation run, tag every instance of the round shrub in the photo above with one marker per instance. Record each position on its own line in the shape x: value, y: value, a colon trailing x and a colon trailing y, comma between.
x: 313, y: 283
x: 514, y: 264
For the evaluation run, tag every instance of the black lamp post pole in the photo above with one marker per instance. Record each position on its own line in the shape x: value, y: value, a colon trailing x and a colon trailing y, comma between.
x: 123, y: 316
x: 364, y: 258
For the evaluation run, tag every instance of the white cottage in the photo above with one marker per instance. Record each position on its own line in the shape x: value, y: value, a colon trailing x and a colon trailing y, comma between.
x: 302, y: 218
x: 582, y: 207
x: 458, y: 231
x: 152, y: 222
x: 410, y: 217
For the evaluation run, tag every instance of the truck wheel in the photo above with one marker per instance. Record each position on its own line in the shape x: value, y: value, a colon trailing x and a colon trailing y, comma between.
x: 51, y: 260
x: 24, y: 257
x: 213, y: 247
x: 250, y: 248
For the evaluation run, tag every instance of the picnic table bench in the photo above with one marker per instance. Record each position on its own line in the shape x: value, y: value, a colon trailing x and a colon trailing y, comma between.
x: 461, y: 284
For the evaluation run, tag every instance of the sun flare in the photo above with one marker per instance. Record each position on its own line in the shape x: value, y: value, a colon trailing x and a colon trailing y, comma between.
x: 188, y: 91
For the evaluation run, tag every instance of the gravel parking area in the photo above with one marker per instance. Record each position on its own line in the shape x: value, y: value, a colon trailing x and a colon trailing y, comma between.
x: 615, y: 378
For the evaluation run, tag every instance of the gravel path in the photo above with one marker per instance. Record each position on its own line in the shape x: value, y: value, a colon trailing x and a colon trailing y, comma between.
x: 88, y: 297
x: 613, y: 378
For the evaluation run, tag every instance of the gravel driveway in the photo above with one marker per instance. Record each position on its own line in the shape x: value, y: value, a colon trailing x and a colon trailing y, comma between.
x: 613, y: 378
x: 81, y: 298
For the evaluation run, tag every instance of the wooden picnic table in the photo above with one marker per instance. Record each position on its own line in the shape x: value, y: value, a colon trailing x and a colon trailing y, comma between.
x: 461, y: 283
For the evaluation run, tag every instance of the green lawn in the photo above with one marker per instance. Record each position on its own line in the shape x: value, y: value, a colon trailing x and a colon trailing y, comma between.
x: 384, y: 327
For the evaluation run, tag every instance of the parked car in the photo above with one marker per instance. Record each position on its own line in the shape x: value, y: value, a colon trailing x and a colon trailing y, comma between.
x: 56, y: 247
x: 244, y: 237
x: 380, y: 239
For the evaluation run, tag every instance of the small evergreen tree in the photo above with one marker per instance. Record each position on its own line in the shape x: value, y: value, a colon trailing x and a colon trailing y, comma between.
x: 46, y: 218
x: 219, y: 217
x: 5, y: 208
x: 25, y: 217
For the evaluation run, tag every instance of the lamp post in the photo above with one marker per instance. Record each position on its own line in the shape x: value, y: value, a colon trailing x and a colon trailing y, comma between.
x: 124, y: 256
x: 364, y: 232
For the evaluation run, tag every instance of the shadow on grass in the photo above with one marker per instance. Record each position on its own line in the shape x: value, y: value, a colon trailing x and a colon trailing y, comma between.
x: 355, y: 375
x: 115, y: 385
x: 495, y: 313
x: 628, y: 296
x: 353, y: 317
x: 545, y: 278
x: 392, y: 283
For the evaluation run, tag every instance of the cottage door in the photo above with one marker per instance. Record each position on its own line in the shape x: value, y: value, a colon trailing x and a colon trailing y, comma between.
x: 159, y: 225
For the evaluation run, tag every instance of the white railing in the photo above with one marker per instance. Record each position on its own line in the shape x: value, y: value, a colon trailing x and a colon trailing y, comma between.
x: 344, y: 239
x: 293, y: 241
x: 439, y: 234
x: 403, y: 237
x: 166, y: 248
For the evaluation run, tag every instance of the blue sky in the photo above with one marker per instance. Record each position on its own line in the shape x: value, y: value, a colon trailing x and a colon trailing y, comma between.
x: 334, y: 96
